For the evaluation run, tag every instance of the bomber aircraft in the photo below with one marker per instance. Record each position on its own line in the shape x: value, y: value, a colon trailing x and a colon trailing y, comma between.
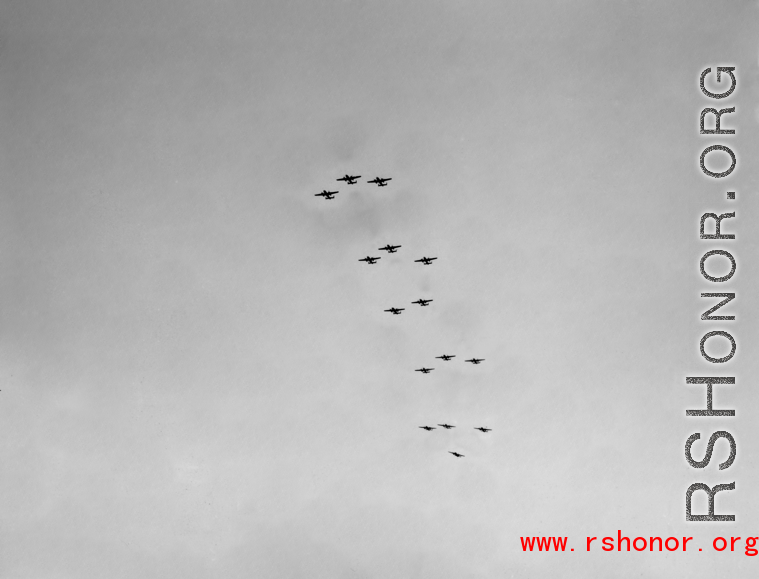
x: 426, y: 260
x: 349, y: 179
x: 446, y: 357
x: 422, y: 302
x: 483, y: 429
x: 475, y: 360
x: 326, y: 194
x: 427, y: 428
x: 446, y: 426
x: 380, y: 181
x: 396, y: 311
x: 370, y: 260
x: 456, y: 454
x: 424, y: 370
x: 390, y: 248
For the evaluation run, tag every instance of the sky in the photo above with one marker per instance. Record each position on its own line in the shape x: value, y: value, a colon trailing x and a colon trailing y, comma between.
x: 197, y: 375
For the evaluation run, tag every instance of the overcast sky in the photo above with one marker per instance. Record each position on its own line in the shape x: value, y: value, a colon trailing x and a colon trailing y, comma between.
x: 198, y: 378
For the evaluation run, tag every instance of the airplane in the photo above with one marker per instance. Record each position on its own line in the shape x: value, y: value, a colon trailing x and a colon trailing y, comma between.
x: 390, y: 248
x: 483, y: 429
x: 396, y: 311
x: 475, y: 360
x: 349, y: 179
x: 424, y: 370
x: 370, y: 260
x: 326, y: 194
x: 422, y: 302
x: 446, y: 357
x: 425, y: 260
x: 456, y: 454
x: 427, y: 428
x: 446, y: 426
x: 380, y: 181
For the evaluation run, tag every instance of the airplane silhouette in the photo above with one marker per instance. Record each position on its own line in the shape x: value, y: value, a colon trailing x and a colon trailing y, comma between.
x: 422, y: 302
x: 396, y: 311
x: 475, y: 360
x: 425, y: 260
x: 446, y: 357
x: 380, y: 181
x: 370, y: 260
x: 390, y: 248
x: 326, y: 194
x: 483, y: 429
x: 349, y: 179
x: 424, y: 370
x: 456, y: 454
x: 446, y: 426
x: 427, y: 428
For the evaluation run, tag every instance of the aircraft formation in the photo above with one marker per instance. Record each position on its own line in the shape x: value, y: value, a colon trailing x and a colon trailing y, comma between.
x: 449, y: 357
x: 423, y: 302
x: 352, y: 180
x: 449, y: 427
